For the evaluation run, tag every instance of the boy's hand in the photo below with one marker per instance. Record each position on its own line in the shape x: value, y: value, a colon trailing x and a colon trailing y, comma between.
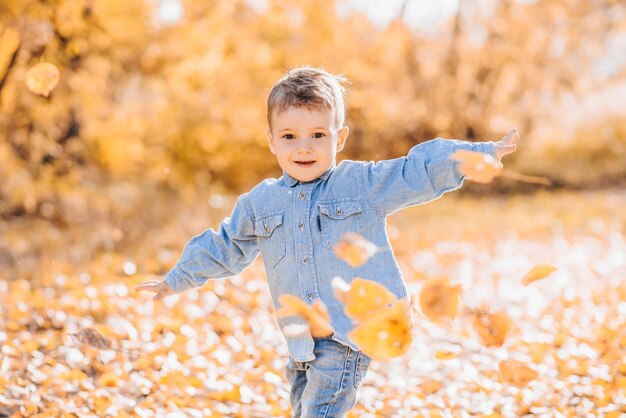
x: 507, y: 144
x: 161, y: 288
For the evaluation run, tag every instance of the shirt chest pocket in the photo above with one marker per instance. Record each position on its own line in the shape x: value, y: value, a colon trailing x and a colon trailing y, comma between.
x: 270, y: 233
x: 338, y: 217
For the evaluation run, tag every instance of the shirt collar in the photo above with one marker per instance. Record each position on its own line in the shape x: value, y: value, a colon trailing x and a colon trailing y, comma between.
x: 290, y: 181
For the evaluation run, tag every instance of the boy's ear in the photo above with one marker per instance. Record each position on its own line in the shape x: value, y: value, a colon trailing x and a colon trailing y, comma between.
x: 270, y: 139
x: 342, y: 136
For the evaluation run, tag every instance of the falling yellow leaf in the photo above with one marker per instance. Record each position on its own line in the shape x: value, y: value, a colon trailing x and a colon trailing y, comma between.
x: 477, y: 166
x: 538, y: 273
x: 315, y: 314
x: 95, y: 339
x: 483, y: 168
x: 386, y: 334
x: 362, y: 298
x: 516, y: 373
x: 92, y: 338
x: 354, y: 249
x: 439, y: 300
x: 492, y: 327
x: 42, y: 78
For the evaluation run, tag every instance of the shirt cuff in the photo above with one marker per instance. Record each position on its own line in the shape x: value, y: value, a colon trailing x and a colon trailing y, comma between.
x: 178, y: 280
x: 487, y: 148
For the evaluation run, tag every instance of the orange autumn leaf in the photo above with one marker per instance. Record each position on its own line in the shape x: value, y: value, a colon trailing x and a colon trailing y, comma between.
x: 354, y: 249
x: 232, y: 394
x: 362, y: 298
x: 538, y: 273
x: 483, y: 168
x: 430, y: 386
x: 42, y: 78
x: 516, y: 373
x: 447, y: 351
x: 477, y: 166
x: 315, y: 314
x: 492, y: 327
x: 439, y: 300
x: 92, y: 338
x: 386, y: 334
x: 445, y: 355
x: 108, y: 380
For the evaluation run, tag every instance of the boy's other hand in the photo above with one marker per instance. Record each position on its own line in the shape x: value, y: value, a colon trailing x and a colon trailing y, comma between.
x: 507, y: 144
x: 161, y: 288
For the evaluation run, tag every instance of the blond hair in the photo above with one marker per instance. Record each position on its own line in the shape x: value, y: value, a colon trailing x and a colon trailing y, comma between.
x: 308, y: 87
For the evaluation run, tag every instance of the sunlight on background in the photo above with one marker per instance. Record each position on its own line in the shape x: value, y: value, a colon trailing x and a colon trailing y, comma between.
x: 170, y: 11
x: 423, y: 15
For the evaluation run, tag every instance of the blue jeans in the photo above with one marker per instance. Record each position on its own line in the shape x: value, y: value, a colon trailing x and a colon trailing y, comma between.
x: 326, y: 386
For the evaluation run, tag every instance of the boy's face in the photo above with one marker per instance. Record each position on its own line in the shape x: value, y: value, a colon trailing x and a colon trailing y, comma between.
x: 305, y: 141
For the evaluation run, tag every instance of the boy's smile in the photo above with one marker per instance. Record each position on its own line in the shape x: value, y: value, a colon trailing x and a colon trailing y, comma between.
x: 305, y: 163
x: 305, y: 141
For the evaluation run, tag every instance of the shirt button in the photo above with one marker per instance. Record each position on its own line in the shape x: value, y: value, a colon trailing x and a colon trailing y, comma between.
x: 302, y: 195
x: 305, y: 260
x: 339, y: 212
x: 309, y: 295
x: 301, y: 226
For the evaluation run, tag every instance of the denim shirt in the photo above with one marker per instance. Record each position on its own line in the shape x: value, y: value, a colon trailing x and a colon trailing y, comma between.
x: 294, y: 226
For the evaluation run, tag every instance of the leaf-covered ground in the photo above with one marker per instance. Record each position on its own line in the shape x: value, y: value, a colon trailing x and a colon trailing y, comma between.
x: 217, y: 351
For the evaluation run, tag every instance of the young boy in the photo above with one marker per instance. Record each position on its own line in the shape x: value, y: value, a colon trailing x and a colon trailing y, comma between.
x: 295, y: 221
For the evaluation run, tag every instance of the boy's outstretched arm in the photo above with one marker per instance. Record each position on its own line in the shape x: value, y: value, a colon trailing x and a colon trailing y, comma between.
x: 425, y: 173
x: 211, y: 255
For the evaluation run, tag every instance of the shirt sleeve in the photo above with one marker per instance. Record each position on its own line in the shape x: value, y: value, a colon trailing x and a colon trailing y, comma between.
x: 424, y: 174
x: 217, y: 254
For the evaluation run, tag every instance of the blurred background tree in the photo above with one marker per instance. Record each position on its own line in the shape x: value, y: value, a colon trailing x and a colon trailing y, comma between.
x: 171, y: 94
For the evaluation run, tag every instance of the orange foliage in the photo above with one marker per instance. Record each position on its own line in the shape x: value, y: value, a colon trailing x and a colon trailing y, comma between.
x: 362, y: 299
x: 387, y: 333
x: 354, y: 249
x: 538, y: 273
x: 101, y: 104
x: 517, y: 373
x: 439, y: 300
x: 477, y: 166
x: 315, y: 314
x: 154, y: 99
x: 492, y: 327
x: 483, y: 168
x: 220, y: 349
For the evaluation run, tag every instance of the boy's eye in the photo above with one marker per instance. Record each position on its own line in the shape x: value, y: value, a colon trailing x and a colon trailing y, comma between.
x: 319, y: 135
x: 288, y: 136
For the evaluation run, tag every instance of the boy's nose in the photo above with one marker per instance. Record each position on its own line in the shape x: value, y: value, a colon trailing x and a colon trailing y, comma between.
x: 304, y: 144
